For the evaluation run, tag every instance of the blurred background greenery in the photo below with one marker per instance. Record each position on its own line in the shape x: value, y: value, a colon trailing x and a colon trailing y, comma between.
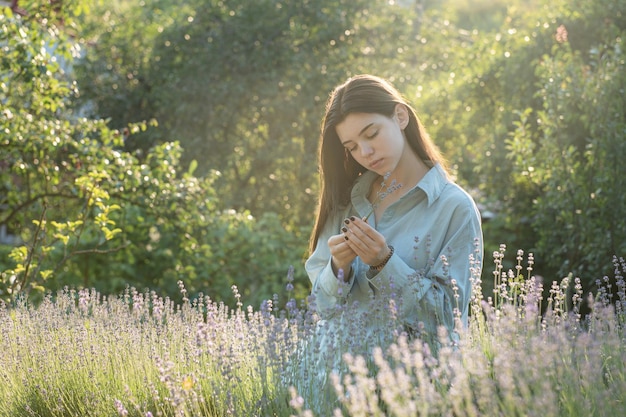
x: 147, y: 142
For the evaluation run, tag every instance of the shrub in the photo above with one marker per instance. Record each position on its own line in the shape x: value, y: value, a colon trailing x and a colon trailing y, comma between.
x: 90, y: 213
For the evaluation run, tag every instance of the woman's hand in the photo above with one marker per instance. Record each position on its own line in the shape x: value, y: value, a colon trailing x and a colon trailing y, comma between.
x: 342, y: 255
x: 366, y: 242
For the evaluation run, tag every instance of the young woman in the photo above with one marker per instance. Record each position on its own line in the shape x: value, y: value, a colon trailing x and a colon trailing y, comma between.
x: 390, y: 219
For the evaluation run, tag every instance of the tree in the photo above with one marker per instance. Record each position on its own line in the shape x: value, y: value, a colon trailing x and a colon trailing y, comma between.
x: 580, y: 215
x: 241, y: 84
x: 538, y: 110
x: 91, y: 214
x: 530, y: 119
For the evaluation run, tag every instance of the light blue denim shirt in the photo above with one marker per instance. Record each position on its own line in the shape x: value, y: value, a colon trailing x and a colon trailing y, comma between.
x: 435, y: 229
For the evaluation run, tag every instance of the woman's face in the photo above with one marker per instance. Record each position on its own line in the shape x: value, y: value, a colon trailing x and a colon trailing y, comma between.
x: 375, y: 141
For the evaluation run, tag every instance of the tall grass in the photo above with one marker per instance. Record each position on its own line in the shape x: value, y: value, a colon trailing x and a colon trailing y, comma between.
x: 83, y: 354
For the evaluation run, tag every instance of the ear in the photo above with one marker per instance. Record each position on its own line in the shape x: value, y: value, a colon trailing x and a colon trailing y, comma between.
x: 402, y: 115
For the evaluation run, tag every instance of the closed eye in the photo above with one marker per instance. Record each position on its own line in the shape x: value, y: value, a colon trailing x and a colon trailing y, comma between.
x: 372, y: 135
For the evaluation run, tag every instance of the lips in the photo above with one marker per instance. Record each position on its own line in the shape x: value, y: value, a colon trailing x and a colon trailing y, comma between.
x: 376, y: 164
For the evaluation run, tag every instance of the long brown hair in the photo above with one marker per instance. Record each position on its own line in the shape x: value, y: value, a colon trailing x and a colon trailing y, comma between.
x: 338, y: 169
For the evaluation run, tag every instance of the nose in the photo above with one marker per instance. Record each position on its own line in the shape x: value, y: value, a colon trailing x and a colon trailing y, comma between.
x: 366, y: 150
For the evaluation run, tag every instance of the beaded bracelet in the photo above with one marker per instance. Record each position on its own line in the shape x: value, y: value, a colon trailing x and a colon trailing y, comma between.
x: 384, y: 262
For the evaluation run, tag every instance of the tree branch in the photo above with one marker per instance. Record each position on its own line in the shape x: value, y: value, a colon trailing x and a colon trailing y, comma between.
x: 31, y: 201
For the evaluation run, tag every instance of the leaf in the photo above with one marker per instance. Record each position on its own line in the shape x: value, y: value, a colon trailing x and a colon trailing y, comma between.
x: 192, y: 167
x: 110, y: 234
x: 63, y: 238
x: 37, y: 287
x: 45, y: 274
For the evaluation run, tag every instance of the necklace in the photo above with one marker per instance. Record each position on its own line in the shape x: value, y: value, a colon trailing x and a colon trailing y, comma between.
x: 383, y: 192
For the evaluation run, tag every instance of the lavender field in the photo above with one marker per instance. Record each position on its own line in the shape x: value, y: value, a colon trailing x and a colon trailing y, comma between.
x: 83, y: 354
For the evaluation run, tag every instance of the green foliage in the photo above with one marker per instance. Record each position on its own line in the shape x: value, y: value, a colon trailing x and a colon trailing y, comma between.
x: 583, y: 117
x: 576, y: 143
x: 241, y: 83
x: 532, y: 123
x: 532, y: 116
x: 90, y: 213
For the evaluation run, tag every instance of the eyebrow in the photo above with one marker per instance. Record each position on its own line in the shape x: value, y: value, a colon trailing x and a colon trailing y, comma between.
x: 360, y: 133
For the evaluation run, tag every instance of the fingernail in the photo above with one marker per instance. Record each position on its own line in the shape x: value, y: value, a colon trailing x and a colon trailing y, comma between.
x: 352, y: 218
x: 344, y: 229
x: 345, y: 237
x: 346, y: 221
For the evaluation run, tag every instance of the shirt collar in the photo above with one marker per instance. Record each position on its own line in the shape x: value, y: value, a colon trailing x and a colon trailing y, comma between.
x: 432, y: 184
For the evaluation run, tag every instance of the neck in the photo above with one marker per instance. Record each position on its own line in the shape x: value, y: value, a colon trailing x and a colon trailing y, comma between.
x: 409, y: 173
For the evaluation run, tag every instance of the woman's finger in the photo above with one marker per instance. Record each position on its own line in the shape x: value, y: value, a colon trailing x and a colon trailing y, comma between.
x: 340, y: 248
x: 367, y: 229
x: 370, y: 247
x: 363, y: 233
